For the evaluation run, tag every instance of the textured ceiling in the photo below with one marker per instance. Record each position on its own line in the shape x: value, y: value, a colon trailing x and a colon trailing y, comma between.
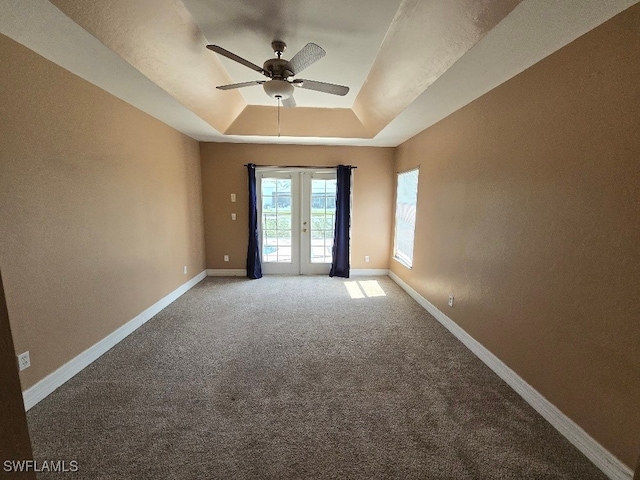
x: 409, y: 63
x: 350, y: 32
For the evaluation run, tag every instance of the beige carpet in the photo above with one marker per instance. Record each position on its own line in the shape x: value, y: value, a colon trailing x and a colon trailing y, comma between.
x: 291, y: 377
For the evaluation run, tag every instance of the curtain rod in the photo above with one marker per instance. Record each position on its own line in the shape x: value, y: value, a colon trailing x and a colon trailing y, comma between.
x: 300, y: 166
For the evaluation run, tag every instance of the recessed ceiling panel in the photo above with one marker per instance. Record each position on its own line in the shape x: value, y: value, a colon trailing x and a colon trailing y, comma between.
x: 160, y: 39
x: 351, y: 32
x: 424, y: 40
x: 297, y: 122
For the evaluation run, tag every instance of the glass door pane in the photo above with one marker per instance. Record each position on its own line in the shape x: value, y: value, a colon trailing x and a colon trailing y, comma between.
x: 318, y: 221
x: 279, y: 213
x: 276, y: 220
x: 323, y: 211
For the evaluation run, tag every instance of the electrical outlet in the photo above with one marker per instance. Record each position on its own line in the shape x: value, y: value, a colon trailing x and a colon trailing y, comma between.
x: 366, y: 258
x: 450, y: 300
x: 184, y: 270
x: 226, y: 258
x: 24, y: 361
x: 233, y: 216
x: 233, y: 197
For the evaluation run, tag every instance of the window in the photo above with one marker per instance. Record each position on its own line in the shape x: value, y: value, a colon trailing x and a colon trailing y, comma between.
x: 406, y: 199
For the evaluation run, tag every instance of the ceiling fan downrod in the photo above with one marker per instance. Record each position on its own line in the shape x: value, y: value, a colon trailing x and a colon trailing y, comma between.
x: 278, y: 47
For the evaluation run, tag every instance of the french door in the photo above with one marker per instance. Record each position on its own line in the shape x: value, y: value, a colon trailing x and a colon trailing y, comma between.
x: 297, y: 219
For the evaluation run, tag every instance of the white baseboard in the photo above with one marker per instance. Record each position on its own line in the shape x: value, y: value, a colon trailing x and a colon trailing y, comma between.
x: 226, y: 272
x: 44, y: 387
x: 233, y: 272
x: 373, y: 272
x: 600, y: 456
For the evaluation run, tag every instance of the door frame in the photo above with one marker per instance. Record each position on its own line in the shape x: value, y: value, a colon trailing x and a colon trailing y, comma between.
x: 275, y: 268
x: 300, y: 213
x: 306, y: 266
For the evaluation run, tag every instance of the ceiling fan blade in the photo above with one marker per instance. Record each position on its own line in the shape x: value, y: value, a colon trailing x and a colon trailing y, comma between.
x: 289, y: 102
x: 236, y: 58
x: 240, y: 85
x: 309, y: 54
x: 331, y: 88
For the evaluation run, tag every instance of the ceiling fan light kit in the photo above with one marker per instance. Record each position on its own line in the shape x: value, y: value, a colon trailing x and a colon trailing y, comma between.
x: 278, y: 89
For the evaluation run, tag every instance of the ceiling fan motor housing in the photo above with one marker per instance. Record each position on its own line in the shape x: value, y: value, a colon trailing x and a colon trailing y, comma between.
x: 278, y: 68
x: 278, y: 89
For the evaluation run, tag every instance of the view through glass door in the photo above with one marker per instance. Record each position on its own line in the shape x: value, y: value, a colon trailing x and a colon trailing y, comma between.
x: 297, y: 219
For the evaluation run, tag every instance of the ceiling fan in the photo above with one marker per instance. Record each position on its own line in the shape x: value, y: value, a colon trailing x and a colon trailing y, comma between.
x: 279, y: 72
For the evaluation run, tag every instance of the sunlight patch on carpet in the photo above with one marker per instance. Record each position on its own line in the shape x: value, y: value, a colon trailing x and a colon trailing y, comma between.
x: 365, y: 288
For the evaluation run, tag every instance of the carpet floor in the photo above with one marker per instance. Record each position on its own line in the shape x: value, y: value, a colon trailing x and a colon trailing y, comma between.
x: 296, y: 377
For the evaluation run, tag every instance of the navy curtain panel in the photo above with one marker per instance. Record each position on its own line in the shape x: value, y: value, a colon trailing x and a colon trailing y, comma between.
x: 340, y: 264
x: 254, y: 267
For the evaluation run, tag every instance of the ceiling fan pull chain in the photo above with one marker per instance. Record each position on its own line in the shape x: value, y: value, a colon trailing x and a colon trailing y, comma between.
x: 278, y: 116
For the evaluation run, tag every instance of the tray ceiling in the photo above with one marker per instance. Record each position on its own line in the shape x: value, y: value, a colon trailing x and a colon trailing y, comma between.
x: 408, y: 63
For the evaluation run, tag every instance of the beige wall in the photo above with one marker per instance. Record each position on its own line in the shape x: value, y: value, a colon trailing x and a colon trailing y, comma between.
x: 224, y: 173
x: 528, y: 212
x: 100, y: 208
